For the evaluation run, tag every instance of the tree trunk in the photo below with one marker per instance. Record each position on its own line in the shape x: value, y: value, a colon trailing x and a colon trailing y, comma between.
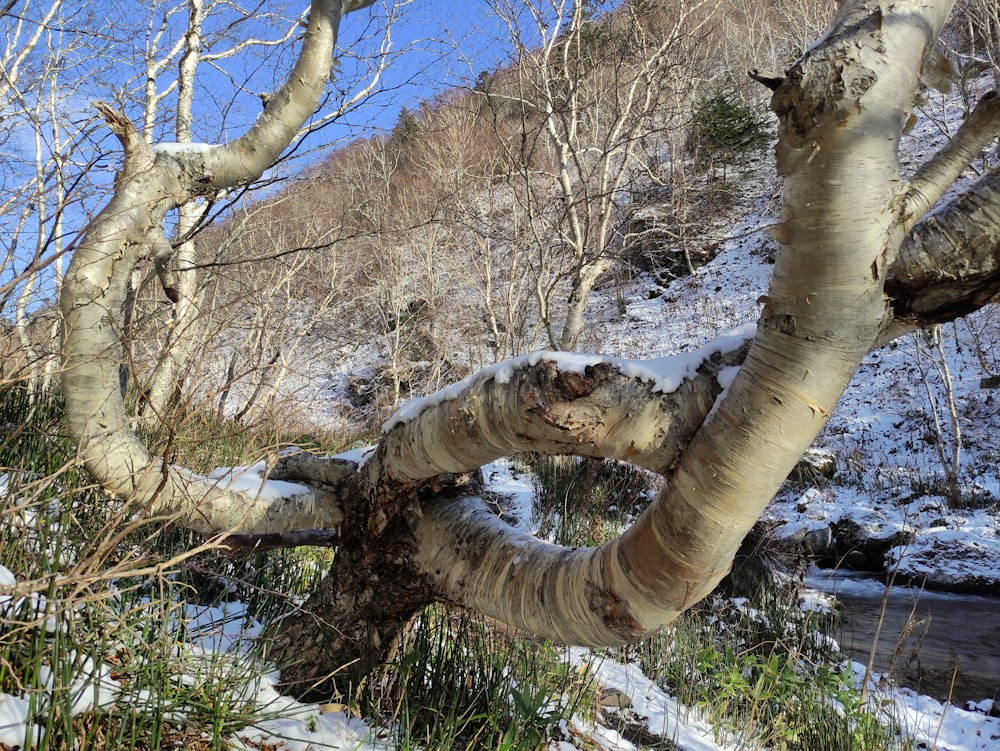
x: 841, y: 111
x: 406, y: 538
x: 576, y: 304
x: 351, y: 623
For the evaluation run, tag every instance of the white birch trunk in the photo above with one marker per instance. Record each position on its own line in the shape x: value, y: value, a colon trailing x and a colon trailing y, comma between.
x: 181, y: 283
x: 841, y: 111
x: 129, y: 229
x: 846, y: 215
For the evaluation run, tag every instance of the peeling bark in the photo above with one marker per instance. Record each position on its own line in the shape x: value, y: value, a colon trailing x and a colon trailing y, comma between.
x: 841, y: 111
x: 849, y: 273
x: 600, y: 413
x: 351, y: 622
x: 950, y: 263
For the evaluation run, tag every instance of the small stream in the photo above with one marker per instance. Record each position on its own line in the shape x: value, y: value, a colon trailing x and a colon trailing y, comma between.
x: 940, y: 644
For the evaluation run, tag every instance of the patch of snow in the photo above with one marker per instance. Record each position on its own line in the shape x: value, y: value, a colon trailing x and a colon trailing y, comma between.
x: 357, y: 455
x: 727, y: 375
x: 32, y: 607
x: 664, y: 715
x: 14, y: 725
x: 250, y: 480
x: 962, y: 551
x: 173, y: 148
x: 943, y: 727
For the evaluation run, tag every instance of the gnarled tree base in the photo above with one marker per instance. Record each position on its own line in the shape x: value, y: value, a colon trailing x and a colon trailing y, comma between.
x: 352, y: 622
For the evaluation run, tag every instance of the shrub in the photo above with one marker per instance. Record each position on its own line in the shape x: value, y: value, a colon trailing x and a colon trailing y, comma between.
x: 726, y: 132
x: 106, y: 650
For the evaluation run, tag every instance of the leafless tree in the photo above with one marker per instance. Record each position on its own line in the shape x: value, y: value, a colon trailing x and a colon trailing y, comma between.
x: 768, y: 36
x: 47, y: 166
x: 257, y: 315
x: 205, y: 45
x: 981, y: 26
x: 589, y: 98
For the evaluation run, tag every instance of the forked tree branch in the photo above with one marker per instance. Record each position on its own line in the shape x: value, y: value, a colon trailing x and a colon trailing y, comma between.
x: 840, y: 111
x: 603, y: 411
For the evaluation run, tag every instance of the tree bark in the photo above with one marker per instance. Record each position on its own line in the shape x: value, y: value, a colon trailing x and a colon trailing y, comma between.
x: 405, y: 539
x: 841, y: 111
x: 130, y: 229
x: 950, y: 264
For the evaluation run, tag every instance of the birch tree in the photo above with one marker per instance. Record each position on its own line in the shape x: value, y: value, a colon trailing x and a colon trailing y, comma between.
x: 593, y: 96
x: 861, y: 260
x: 47, y: 164
x: 186, y: 45
x: 173, y: 67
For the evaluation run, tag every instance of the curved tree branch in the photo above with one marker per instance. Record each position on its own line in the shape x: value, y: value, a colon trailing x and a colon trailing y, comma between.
x: 841, y: 109
x: 940, y: 172
x: 128, y: 230
x: 641, y: 412
x: 835, y: 108
x: 245, y: 159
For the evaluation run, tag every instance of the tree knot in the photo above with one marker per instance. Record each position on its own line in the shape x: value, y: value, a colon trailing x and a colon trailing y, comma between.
x: 575, y: 385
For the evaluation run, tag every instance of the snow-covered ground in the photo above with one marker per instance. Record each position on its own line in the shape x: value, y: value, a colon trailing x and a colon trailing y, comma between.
x: 224, y: 632
x: 889, y: 476
x: 885, y: 437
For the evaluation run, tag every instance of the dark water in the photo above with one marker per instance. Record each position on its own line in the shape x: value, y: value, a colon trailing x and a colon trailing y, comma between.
x: 939, y: 644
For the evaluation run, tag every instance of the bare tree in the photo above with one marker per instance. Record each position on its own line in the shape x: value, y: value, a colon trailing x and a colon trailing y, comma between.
x: 982, y: 30
x: 501, y: 275
x: 589, y: 98
x: 176, y: 271
x: 860, y: 261
x: 459, y: 150
x: 47, y: 163
x: 768, y: 36
x: 271, y: 307
x: 200, y: 45
x: 929, y: 356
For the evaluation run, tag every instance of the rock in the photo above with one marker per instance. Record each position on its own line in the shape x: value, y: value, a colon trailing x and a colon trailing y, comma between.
x: 818, y: 542
x: 613, y: 698
x: 815, y: 463
x: 815, y: 543
x: 859, y: 549
x: 845, y: 543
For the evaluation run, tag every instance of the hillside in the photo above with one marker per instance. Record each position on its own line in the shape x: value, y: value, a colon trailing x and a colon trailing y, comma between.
x: 613, y: 190
x: 424, y: 266
x: 478, y: 227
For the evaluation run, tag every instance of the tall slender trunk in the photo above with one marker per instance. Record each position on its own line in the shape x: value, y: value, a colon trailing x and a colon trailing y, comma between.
x: 181, y: 282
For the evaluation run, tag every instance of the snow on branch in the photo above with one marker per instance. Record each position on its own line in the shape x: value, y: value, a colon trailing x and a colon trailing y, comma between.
x: 642, y: 412
x: 665, y: 374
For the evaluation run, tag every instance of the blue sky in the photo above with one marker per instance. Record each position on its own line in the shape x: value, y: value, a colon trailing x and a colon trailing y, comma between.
x: 439, y: 45
x: 446, y: 44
